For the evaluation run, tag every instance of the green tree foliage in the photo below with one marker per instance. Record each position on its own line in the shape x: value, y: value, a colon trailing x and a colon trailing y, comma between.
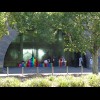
x: 92, y: 24
x: 3, y: 28
x: 81, y: 29
x: 35, y: 23
x: 83, y: 34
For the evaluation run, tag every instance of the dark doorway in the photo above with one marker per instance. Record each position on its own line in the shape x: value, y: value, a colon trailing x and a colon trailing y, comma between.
x: 75, y: 61
x: 84, y: 61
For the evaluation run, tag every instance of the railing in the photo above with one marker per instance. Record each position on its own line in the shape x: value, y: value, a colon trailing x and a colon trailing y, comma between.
x: 50, y: 65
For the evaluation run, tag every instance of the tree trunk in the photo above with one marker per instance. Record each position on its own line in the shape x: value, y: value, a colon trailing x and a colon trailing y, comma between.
x: 95, y: 62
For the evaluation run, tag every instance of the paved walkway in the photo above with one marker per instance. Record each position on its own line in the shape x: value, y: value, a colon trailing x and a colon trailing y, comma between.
x: 45, y: 71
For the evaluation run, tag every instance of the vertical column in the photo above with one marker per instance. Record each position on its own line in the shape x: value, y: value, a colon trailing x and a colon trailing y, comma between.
x: 7, y: 71
x: 22, y: 71
x: 37, y: 70
x: 81, y: 69
x: 21, y: 47
x: 52, y: 68
x: 67, y: 69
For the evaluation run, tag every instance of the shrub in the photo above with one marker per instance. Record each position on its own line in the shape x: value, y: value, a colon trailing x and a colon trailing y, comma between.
x: 85, y: 80
x: 45, y: 83
x: 93, y: 80
x: 37, y: 82
x: 77, y: 82
x: 51, y: 78
x: 9, y: 82
x: 70, y: 81
x: 31, y: 83
x: 61, y: 81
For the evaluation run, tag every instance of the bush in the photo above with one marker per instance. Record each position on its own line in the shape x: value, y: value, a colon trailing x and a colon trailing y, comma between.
x: 31, y: 83
x: 61, y: 81
x: 77, y: 82
x: 9, y: 82
x: 85, y: 80
x: 37, y: 82
x: 70, y: 81
x: 51, y: 78
x: 45, y: 83
x: 93, y: 80
x: 53, y: 81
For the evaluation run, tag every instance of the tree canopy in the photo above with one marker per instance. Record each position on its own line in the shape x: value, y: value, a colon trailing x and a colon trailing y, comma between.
x: 81, y: 29
x: 77, y: 27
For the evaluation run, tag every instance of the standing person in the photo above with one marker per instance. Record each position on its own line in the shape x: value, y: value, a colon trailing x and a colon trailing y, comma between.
x: 60, y: 62
x: 80, y: 61
x: 45, y: 63
x: 91, y: 62
x: 63, y: 61
x: 28, y: 63
x: 37, y: 63
x: 23, y: 64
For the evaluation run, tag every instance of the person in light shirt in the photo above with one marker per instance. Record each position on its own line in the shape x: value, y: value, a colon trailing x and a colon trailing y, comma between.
x: 45, y: 62
x: 80, y: 61
x: 91, y: 62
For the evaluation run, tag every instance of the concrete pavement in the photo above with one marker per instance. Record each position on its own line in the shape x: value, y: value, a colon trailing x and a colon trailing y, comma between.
x: 45, y: 71
x: 18, y: 70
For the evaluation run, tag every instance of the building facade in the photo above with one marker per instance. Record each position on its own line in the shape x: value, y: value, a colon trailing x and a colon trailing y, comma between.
x: 12, y: 50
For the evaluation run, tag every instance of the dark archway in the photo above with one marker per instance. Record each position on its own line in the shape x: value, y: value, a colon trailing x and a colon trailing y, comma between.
x: 4, y: 44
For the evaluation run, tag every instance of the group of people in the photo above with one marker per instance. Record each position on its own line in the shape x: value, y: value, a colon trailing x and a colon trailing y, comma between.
x: 81, y: 62
x: 49, y: 62
x: 30, y: 63
x: 55, y: 61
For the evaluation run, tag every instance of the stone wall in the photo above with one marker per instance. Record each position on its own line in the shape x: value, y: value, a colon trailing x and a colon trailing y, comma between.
x: 5, y: 42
